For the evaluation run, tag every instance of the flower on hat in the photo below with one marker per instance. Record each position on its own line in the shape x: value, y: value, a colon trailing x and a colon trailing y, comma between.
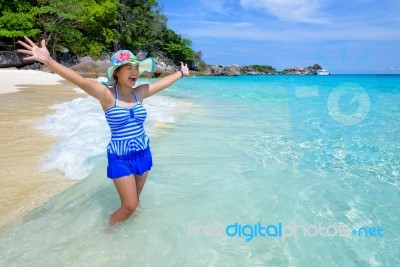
x: 122, y: 57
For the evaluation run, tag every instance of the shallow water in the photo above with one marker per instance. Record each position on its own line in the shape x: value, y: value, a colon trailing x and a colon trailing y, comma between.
x: 278, y: 151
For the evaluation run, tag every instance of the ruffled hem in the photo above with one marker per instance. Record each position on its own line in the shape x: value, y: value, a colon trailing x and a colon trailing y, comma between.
x: 117, y: 170
x: 124, y: 166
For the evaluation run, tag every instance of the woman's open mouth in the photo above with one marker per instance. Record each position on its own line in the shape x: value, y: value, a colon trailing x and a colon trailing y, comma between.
x: 132, y: 79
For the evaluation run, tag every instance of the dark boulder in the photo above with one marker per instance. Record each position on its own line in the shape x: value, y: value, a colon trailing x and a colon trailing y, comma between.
x: 13, y: 59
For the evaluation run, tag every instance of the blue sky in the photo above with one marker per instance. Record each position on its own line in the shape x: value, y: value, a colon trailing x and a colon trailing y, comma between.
x: 345, y: 36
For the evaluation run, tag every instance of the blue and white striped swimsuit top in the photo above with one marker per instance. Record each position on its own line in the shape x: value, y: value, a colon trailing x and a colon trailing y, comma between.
x: 126, y: 125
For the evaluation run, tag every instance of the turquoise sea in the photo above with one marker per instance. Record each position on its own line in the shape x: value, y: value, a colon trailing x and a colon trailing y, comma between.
x: 248, y: 171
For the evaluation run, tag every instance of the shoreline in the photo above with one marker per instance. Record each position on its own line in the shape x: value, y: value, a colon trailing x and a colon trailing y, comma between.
x: 25, y: 103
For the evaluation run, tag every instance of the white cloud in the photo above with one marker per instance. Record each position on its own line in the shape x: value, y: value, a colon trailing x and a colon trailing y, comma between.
x: 216, y: 6
x: 223, y: 24
x: 288, y: 10
x: 249, y: 31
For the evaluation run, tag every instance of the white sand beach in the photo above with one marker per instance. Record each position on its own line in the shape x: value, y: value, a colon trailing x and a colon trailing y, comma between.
x: 25, y: 97
x: 12, y: 79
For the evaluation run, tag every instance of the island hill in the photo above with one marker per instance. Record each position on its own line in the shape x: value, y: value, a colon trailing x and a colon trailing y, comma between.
x: 236, y: 70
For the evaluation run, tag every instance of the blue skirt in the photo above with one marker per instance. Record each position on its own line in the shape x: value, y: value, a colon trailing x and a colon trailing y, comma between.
x: 136, y: 162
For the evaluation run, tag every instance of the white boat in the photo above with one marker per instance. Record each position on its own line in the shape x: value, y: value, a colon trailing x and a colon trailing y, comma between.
x: 323, y: 72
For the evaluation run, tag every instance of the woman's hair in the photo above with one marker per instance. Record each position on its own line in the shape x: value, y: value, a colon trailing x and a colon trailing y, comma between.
x: 115, y: 77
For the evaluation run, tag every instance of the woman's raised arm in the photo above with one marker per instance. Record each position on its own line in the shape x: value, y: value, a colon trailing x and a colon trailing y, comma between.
x: 155, y: 87
x: 42, y: 55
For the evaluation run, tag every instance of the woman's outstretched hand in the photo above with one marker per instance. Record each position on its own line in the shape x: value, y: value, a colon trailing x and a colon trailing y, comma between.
x: 40, y: 54
x: 185, y: 69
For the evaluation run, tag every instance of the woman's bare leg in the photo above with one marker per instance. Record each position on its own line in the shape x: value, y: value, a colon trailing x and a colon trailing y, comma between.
x: 126, y: 187
x: 140, y: 180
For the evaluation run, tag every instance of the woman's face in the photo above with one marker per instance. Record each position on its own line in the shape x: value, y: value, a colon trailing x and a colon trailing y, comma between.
x: 128, y: 75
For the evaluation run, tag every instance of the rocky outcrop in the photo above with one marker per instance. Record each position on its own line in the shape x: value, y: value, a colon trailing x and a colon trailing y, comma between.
x: 12, y: 59
x: 90, y: 68
x: 251, y: 70
x: 164, y: 65
x: 219, y: 70
x: 206, y: 72
x: 162, y: 69
x: 231, y: 70
x: 216, y: 70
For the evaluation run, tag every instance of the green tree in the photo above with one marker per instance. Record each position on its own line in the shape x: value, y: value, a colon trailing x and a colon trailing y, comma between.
x: 181, y: 51
x: 18, y: 24
x: 79, y: 25
x: 90, y: 27
x: 139, y: 24
x: 17, y: 18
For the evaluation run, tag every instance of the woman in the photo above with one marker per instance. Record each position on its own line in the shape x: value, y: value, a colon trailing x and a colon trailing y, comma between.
x: 129, y: 156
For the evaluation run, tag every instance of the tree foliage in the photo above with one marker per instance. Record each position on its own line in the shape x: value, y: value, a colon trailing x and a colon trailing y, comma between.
x: 259, y: 68
x: 17, y: 19
x: 180, y: 51
x: 91, y: 27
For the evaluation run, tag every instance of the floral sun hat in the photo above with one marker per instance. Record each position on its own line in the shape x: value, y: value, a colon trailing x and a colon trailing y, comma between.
x: 123, y: 57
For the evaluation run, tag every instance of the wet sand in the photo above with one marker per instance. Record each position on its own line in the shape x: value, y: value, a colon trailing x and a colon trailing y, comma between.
x: 23, y: 147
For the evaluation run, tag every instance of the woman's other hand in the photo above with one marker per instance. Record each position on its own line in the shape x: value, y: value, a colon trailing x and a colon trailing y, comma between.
x: 40, y: 54
x: 185, y: 69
